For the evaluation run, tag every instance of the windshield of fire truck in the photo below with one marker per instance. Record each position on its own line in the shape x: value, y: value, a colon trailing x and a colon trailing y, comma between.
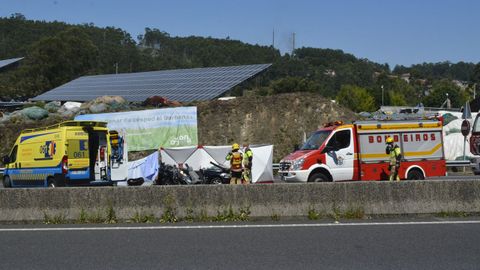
x: 316, y: 140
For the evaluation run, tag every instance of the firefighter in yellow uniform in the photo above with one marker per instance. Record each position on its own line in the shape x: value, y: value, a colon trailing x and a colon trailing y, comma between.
x: 247, y: 164
x: 393, y: 150
x: 235, y: 158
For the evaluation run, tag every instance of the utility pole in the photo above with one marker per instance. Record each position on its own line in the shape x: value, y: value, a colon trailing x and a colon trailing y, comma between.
x: 116, y: 68
x: 293, y: 41
x: 474, y: 90
x: 382, y: 94
x: 273, y: 38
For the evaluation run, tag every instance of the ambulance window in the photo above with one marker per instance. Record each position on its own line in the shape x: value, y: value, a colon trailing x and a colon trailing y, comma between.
x: 13, y: 155
x: 341, y: 139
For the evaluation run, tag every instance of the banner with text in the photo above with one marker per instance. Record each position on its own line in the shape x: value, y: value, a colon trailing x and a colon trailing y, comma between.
x: 151, y: 129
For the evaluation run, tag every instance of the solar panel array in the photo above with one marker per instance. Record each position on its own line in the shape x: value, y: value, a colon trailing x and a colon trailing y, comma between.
x: 6, y: 62
x: 183, y: 85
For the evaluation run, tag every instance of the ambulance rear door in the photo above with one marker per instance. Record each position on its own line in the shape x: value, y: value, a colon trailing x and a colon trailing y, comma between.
x: 78, y: 154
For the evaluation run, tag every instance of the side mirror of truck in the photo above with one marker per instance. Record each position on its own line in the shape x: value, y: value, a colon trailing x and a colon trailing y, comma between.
x: 6, y: 160
x: 328, y: 148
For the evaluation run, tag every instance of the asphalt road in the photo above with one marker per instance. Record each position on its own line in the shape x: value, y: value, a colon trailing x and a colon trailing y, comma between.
x: 372, y: 246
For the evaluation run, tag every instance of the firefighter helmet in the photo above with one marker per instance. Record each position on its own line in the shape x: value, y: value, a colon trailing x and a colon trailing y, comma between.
x: 389, y: 140
x: 235, y: 146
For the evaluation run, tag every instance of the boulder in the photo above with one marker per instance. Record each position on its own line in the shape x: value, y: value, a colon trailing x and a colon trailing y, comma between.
x: 5, y: 118
x: 119, y: 107
x: 72, y: 105
x: 116, y: 103
x: 35, y: 113
x: 98, y: 107
x: 70, y: 113
x: 53, y: 106
x: 109, y: 99
x: 16, y: 117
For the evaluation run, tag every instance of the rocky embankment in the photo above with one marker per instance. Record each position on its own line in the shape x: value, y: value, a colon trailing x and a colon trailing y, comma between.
x: 282, y: 120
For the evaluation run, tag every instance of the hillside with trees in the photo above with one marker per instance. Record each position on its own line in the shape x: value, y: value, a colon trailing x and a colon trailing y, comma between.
x: 56, y: 52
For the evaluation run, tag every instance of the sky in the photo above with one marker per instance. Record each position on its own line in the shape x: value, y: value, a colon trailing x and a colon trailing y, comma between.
x: 402, y: 32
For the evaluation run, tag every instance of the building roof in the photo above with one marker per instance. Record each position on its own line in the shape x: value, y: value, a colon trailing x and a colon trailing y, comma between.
x: 7, y: 62
x: 183, y: 85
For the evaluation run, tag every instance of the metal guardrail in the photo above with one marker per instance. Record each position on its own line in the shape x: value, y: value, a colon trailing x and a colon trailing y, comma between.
x: 458, y: 163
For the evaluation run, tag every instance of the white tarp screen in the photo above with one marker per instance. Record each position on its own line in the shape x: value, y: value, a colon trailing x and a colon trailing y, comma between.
x: 180, y: 154
x: 453, y: 140
x: 201, y: 157
x: 453, y: 144
x: 218, y: 153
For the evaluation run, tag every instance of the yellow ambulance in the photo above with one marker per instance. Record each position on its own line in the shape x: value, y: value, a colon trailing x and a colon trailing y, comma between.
x: 68, y: 153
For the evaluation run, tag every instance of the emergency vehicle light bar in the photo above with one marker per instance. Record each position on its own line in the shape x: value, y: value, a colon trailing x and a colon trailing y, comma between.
x: 399, y: 126
x: 331, y: 124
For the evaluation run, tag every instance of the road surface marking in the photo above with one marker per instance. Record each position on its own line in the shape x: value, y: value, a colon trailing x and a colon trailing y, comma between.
x: 241, y: 226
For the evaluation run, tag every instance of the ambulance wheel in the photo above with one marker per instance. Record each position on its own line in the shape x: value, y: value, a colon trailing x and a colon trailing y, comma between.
x: 415, y: 174
x: 318, y: 177
x: 7, y: 182
x: 51, y: 182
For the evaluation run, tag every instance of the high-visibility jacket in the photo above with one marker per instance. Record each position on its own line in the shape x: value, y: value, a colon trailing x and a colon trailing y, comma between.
x: 395, y: 154
x: 235, y: 161
x: 247, y: 158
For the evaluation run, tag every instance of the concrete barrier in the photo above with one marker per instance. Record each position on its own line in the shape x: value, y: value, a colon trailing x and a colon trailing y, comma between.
x: 277, y: 200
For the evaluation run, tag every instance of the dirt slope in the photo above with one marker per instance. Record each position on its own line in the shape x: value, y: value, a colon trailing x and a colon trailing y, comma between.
x: 281, y: 120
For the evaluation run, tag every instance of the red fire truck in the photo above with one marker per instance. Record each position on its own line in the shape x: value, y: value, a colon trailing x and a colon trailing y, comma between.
x: 339, y: 152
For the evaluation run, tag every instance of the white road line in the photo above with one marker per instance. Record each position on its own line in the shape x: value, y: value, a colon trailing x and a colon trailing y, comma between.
x: 242, y: 226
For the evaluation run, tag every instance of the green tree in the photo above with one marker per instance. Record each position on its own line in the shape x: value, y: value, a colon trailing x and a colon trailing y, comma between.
x: 439, y: 91
x: 395, y: 91
x: 436, y: 71
x: 396, y: 99
x: 294, y: 84
x: 52, y: 61
x: 356, y: 98
x: 476, y: 74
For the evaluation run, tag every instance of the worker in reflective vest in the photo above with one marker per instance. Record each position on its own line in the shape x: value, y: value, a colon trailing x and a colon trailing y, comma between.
x: 247, y: 164
x: 393, y: 150
x: 235, y: 157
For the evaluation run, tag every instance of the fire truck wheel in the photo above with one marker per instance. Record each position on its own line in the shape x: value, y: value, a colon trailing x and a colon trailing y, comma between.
x: 415, y: 174
x: 318, y: 177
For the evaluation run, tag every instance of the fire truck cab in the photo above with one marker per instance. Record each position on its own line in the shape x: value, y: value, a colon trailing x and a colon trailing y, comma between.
x: 339, y: 152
